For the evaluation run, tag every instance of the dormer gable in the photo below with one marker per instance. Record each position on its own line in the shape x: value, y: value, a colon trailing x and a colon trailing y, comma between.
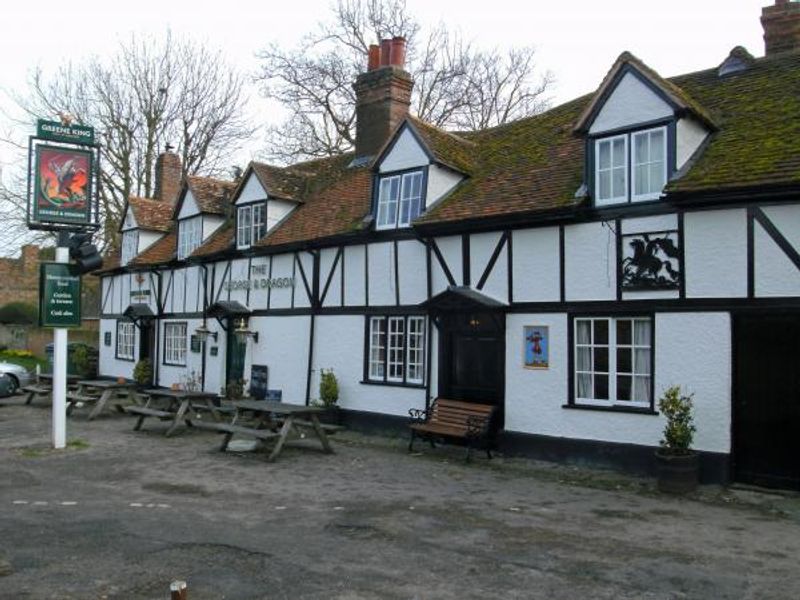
x: 640, y: 131
x: 128, y: 219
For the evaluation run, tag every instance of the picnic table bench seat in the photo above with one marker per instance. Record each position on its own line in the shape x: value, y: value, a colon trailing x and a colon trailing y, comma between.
x: 35, y: 391
x: 144, y: 411
x: 455, y: 419
x: 230, y: 430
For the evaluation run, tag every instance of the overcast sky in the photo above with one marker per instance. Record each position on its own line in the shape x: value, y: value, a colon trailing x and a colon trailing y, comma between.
x: 577, y: 40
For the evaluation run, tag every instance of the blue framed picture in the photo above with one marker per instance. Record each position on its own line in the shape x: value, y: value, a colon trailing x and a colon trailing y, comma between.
x: 536, y: 346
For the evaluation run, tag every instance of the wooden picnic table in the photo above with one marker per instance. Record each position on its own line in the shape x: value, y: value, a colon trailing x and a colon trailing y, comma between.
x: 100, y: 391
x: 167, y: 404
x: 48, y: 377
x: 43, y: 387
x: 272, y: 415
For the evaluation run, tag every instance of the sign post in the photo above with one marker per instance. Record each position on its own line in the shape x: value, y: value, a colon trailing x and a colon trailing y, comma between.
x: 62, y: 175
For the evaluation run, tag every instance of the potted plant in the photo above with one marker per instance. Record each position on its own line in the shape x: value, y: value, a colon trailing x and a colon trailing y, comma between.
x: 234, y: 390
x: 329, y: 396
x: 677, y: 464
x: 143, y: 373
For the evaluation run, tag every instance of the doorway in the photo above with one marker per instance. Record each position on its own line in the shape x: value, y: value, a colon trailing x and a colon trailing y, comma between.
x: 147, y: 344
x: 234, y: 355
x: 766, y: 411
x: 472, y: 359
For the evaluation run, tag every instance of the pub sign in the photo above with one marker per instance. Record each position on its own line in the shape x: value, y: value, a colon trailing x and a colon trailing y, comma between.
x: 63, y: 188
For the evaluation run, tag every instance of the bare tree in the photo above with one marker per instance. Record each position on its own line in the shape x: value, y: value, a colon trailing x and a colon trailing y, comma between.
x: 457, y: 84
x: 150, y: 93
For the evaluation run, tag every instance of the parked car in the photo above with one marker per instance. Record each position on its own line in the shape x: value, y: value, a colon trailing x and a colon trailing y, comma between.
x: 6, y: 386
x: 18, y: 375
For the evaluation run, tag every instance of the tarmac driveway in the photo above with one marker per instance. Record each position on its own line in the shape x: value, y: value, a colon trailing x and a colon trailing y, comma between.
x: 121, y: 514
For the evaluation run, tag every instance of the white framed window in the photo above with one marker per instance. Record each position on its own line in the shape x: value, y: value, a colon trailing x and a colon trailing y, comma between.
x: 645, y: 152
x: 190, y: 235
x: 175, y: 344
x: 611, y: 169
x: 396, y: 350
x: 130, y: 245
x: 125, y: 340
x: 613, y: 361
x: 251, y: 224
x: 649, y: 164
x: 400, y: 200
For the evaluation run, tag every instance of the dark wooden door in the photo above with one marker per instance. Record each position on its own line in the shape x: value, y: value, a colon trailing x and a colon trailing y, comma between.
x: 472, y: 359
x: 766, y: 417
x: 234, y: 359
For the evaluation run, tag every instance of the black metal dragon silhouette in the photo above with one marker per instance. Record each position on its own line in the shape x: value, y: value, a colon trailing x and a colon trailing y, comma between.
x: 652, y: 261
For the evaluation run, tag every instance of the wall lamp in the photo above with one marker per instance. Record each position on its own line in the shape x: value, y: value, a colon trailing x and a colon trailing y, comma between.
x: 243, y: 332
x: 203, y: 333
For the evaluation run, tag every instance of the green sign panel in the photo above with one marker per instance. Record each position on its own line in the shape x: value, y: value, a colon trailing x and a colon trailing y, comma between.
x: 59, y: 295
x: 71, y: 134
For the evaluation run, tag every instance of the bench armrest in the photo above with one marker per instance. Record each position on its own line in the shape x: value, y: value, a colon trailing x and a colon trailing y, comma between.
x: 477, y: 426
x: 417, y: 415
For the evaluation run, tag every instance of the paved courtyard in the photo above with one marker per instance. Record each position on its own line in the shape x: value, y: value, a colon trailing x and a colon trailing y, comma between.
x: 120, y: 514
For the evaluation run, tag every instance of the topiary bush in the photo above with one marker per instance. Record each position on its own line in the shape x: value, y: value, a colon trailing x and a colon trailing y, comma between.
x: 328, y: 387
x: 679, y: 430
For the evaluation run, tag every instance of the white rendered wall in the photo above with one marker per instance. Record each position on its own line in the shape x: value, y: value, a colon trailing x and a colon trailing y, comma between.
x: 277, y: 210
x: 381, y: 274
x: 775, y: 274
x: 405, y: 154
x: 147, y: 239
x: 108, y: 364
x: 413, y: 272
x: 689, y: 134
x: 536, y: 265
x: 716, y: 253
x: 210, y: 224
x: 692, y: 350
x: 630, y: 103
x: 189, y: 207
x: 283, y: 347
x: 282, y: 266
x: 440, y: 182
x: 590, y: 262
x: 327, y: 258
x: 354, y: 276
x: 481, y: 248
x: 251, y: 191
x: 346, y: 358
x: 258, y: 296
x: 450, y: 248
x: 301, y: 299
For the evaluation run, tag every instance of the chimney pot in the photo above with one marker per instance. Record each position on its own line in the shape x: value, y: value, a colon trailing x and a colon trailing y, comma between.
x: 398, y: 52
x: 781, y: 22
x: 374, y: 57
x: 386, y: 52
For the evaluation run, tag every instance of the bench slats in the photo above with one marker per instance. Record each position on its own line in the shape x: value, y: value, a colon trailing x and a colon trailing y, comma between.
x: 455, y: 419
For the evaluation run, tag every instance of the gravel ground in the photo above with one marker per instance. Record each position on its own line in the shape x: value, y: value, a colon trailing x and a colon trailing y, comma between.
x: 121, y: 514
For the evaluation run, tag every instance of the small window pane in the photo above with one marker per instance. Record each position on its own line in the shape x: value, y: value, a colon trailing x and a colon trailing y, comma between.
x: 641, y: 332
x: 584, y: 385
x: 604, y: 155
x: 619, y: 182
x: 624, y: 387
x: 623, y: 331
x: 657, y: 145
x: 624, y: 360
x: 619, y: 152
x: 584, y: 331
x: 601, y: 360
x: 641, y: 389
x: 601, y: 387
x: 601, y: 331
x: 584, y: 359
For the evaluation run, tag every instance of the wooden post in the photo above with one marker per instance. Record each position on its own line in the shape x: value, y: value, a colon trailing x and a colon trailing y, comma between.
x: 178, y: 590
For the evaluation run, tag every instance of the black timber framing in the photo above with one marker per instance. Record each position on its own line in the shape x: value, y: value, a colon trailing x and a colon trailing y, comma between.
x: 442, y: 262
x: 785, y: 245
x: 331, y: 273
x: 501, y: 243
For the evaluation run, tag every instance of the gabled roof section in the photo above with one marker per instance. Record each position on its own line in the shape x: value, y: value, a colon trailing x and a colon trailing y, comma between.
x: 219, y: 241
x: 211, y: 195
x: 678, y: 98
x: 285, y: 183
x: 154, y: 215
x: 447, y: 149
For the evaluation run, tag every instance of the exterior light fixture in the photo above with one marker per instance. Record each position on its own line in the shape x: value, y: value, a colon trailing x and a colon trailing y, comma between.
x: 243, y: 332
x: 203, y: 333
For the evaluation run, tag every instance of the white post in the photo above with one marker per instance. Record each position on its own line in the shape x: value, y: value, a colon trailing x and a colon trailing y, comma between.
x: 60, y: 368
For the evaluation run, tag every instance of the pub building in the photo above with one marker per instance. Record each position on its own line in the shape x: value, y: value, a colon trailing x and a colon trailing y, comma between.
x: 566, y: 268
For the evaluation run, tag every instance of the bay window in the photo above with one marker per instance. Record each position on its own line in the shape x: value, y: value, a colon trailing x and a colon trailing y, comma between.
x: 613, y: 361
x: 400, y: 200
x: 395, y: 350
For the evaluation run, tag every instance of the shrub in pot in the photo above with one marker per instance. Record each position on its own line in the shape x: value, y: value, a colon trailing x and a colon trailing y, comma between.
x: 677, y: 463
x: 143, y: 373
x: 329, y: 395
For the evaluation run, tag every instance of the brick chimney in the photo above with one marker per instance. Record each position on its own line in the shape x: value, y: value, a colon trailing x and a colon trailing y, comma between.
x: 781, y: 23
x: 383, y: 95
x: 168, y: 176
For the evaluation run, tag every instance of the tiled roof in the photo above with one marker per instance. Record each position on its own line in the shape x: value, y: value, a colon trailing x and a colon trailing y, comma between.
x: 220, y: 240
x: 448, y: 148
x: 210, y: 194
x: 161, y: 251
x: 281, y: 182
x: 151, y: 214
x: 110, y: 262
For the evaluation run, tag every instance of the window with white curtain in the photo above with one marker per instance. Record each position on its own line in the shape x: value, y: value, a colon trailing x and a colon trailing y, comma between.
x: 613, y: 361
x: 130, y: 245
x: 396, y: 350
x: 400, y: 200
x: 649, y: 163
x: 175, y: 344
x: 630, y: 167
x: 251, y: 224
x: 190, y: 235
x: 125, y: 340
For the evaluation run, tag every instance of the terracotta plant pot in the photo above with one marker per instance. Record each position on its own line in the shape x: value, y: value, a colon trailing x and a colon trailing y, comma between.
x: 120, y: 380
x: 175, y: 387
x: 677, y: 473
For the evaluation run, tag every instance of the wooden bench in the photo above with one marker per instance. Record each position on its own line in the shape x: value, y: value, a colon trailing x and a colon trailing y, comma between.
x: 36, y: 391
x: 143, y: 412
x: 453, y: 419
x: 230, y: 430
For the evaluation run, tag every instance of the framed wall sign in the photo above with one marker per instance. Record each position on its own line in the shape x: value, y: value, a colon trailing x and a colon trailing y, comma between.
x: 536, y: 346
x: 62, y: 185
x: 650, y: 261
x: 213, y: 351
x: 194, y: 343
x: 107, y: 338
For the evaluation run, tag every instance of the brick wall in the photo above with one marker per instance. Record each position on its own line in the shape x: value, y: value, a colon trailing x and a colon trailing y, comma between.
x: 20, y: 277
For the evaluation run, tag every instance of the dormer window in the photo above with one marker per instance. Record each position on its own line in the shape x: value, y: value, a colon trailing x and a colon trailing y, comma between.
x: 130, y: 246
x: 631, y: 167
x: 190, y: 235
x: 251, y: 224
x: 400, y: 199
